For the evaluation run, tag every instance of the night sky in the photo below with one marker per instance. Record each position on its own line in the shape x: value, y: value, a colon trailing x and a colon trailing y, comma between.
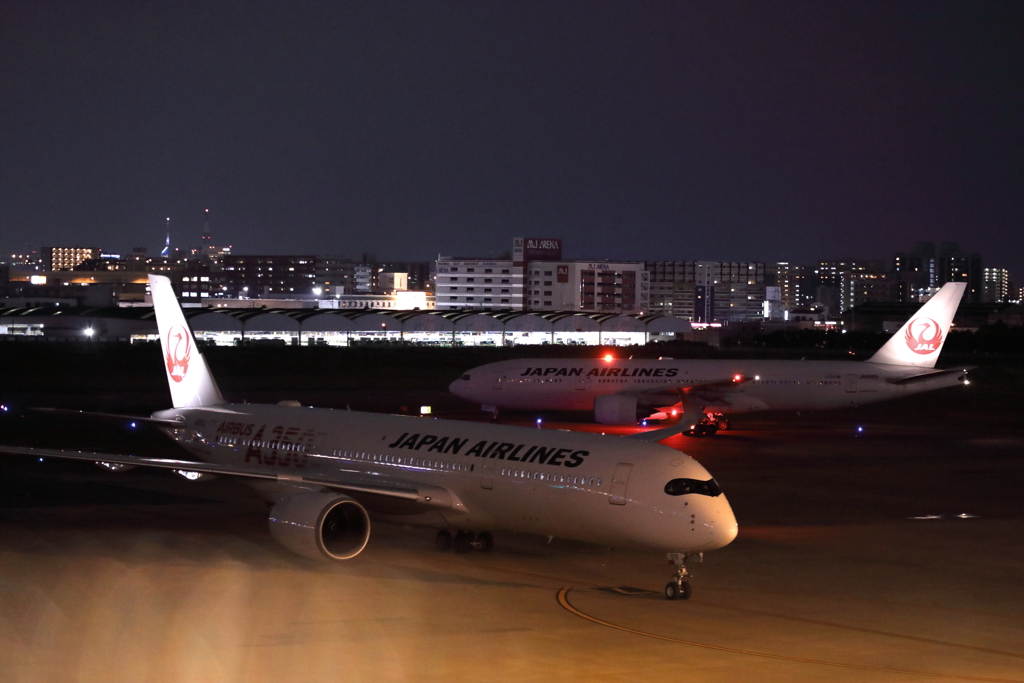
x: 636, y: 130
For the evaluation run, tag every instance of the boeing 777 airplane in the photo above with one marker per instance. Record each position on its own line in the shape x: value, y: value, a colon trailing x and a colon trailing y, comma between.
x: 623, y: 392
x: 329, y: 472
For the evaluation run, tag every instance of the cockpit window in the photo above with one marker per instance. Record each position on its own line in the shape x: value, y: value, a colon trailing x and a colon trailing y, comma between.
x: 465, y: 378
x: 681, y: 487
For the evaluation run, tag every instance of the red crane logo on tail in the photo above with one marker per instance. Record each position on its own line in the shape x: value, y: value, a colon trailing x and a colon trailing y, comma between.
x: 924, y: 336
x: 179, y: 350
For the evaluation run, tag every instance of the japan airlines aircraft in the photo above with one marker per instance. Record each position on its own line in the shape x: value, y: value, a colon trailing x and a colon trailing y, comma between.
x: 625, y: 391
x: 329, y: 472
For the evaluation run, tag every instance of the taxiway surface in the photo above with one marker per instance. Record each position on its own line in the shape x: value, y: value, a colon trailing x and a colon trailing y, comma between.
x: 895, y: 553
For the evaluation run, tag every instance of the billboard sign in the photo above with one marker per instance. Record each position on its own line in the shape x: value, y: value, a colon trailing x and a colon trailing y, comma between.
x: 536, y: 249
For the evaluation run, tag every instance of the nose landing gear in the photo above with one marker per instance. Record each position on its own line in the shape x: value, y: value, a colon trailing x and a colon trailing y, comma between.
x: 678, y: 588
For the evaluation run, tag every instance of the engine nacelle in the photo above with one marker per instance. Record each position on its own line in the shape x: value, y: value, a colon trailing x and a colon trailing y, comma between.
x: 615, y: 409
x: 320, y: 525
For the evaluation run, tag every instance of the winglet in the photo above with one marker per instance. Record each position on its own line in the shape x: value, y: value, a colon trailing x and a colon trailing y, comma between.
x: 919, y: 342
x: 188, y: 375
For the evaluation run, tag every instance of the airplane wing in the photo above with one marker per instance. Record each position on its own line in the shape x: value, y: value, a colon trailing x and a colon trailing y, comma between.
x: 430, y: 496
x: 711, y: 393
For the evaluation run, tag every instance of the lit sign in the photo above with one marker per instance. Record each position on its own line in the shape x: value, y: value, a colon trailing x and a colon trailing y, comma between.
x: 536, y: 249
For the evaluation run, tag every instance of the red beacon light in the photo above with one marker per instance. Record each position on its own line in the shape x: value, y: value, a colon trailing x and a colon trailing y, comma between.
x: 737, y: 378
x: 608, y: 357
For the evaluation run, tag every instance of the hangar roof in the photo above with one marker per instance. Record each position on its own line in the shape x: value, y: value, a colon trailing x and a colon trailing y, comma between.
x: 360, y: 320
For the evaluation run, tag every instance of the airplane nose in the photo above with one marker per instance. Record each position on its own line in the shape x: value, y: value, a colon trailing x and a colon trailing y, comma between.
x: 460, y: 387
x: 724, y: 528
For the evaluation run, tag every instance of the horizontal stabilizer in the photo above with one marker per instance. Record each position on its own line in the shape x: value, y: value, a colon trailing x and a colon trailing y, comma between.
x: 928, y: 376
x: 113, y: 416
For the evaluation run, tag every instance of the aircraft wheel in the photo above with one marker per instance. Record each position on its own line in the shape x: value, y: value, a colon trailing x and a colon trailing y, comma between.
x: 485, y: 542
x: 711, y: 429
x: 677, y: 590
x: 723, y: 424
x: 443, y: 540
x: 463, y: 542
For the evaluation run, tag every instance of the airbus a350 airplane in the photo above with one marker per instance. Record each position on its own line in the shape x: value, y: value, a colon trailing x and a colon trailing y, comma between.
x: 329, y: 472
x: 625, y: 391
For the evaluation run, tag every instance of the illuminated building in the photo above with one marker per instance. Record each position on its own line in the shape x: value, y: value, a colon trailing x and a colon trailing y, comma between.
x: 708, y: 291
x: 478, y: 283
x: 927, y: 268
x: 268, y: 276
x: 995, y: 285
x: 66, y: 258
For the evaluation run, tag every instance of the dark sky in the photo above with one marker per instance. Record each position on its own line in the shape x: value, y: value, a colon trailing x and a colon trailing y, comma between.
x: 638, y: 130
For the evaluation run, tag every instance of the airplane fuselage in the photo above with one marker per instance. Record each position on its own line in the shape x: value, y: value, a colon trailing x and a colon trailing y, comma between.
x: 730, y: 386
x: 572, y: 485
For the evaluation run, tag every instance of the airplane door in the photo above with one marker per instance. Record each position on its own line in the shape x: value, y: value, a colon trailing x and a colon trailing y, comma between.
x: 851, y: 384
x: 619, y: 481
x: 499, y: 380
x: 582, y: 383
x: 486, y: 476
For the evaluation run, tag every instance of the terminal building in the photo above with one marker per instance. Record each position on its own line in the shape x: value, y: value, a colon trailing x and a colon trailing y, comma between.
x: 339, y: 327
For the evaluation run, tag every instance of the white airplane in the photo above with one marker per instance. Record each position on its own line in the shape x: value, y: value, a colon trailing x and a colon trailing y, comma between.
x: 626, y: 391
x: 329, y: 472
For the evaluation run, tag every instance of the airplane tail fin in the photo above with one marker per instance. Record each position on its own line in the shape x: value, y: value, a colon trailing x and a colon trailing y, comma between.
x: 920, y: 340
x: 188, y: 375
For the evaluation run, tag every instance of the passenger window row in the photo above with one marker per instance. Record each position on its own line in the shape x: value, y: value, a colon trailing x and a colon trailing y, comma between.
x: 553, y: 478
x: 407, y: 460
x: 262, y: 443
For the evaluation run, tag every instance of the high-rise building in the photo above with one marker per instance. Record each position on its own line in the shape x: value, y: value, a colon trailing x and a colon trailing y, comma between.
x: 841, y: 284
x: 494, y: 283
x: 478, y: 283
x: 927, y: 268
x: 66, y: 258
x: 269, y: 276
x: 790, y: 280
x: 708, y: 291
x: 995, y: 286
x: 601, y: 286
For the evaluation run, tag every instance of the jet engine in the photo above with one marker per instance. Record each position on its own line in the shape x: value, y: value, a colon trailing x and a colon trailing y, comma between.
x: 320, y: 525
x: 616, y: 409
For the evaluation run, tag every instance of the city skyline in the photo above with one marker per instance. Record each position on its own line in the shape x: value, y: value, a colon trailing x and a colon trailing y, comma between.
x: 733, y: 131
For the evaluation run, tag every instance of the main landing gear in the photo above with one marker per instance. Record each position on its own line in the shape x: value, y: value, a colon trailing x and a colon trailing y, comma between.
x: 679, y: 588
x: 464, y: 541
